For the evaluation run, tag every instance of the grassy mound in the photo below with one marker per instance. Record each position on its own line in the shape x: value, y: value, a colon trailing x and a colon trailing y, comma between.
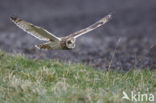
x: 49, y: 81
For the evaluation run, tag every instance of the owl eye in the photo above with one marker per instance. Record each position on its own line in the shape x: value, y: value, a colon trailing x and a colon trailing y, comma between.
x: 69, y: 42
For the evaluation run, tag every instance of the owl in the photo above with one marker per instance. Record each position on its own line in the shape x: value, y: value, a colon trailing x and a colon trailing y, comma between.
x: 53, y: 42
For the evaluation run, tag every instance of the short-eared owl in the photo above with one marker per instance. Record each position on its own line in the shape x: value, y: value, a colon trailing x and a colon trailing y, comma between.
x: 54, y: 42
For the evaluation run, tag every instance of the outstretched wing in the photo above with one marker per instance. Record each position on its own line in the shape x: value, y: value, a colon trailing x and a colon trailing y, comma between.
x: 92, y: 27
x: 35, y: 31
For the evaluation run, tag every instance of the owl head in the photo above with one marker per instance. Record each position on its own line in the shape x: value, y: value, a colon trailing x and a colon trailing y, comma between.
x: 70, y: 43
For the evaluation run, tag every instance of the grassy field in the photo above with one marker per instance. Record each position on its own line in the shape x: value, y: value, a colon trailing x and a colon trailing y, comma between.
x: 24, y: 80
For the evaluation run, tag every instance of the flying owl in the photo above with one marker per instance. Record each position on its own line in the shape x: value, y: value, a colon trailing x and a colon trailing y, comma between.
x: 53, y: 42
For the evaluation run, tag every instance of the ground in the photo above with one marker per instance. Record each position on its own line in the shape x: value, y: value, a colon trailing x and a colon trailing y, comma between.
x: 24, y: 80
x: 123, y: 43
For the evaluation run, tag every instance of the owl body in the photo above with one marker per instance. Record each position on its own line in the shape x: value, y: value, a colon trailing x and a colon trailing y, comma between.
x: 65, y: 44
x: 49, y: 46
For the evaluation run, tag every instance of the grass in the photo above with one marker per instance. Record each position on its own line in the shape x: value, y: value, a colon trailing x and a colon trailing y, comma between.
x: 25, y: 80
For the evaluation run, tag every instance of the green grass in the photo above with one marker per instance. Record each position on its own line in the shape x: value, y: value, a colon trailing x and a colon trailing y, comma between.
x: 24, y: 80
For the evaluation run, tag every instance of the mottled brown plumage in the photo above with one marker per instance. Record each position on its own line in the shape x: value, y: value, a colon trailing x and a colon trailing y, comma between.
x: 54, y: 42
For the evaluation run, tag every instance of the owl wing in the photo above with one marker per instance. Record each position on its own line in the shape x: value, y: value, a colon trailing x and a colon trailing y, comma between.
x: 35, y: 31
x: 92, y: 27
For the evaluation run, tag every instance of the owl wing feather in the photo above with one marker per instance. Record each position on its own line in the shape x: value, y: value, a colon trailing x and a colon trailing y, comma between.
x: 92, y: 27
x: 35, y: 31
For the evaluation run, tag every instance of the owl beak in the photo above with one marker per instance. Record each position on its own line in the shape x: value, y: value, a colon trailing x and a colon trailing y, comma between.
x: 73, y: 42
x: 73, y: 45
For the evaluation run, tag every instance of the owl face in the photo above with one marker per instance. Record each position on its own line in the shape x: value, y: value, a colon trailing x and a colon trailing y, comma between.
x: 70, y: 43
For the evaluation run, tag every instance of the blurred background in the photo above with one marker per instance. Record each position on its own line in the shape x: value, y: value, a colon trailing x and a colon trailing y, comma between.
x: 123, y: 43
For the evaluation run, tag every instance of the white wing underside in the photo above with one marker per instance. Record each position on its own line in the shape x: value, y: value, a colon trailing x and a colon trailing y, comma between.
x: 35, y: 31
